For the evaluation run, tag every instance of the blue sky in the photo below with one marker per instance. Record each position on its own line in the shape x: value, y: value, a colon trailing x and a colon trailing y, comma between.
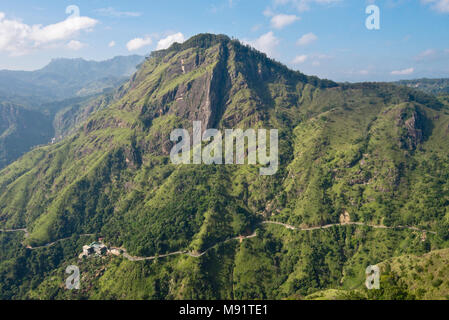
x: 327, y: 38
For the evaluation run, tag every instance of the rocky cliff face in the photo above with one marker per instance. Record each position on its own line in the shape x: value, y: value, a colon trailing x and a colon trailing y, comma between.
x: 20, y: 130
x: 414, y: 124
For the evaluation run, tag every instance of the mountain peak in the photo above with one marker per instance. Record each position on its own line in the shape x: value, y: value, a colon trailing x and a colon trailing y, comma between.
x: 202, y: 40
x: 242, y: 52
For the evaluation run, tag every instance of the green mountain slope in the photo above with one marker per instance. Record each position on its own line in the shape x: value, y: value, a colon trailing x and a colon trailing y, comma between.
x: 410, y: 277
x: 373, y: 152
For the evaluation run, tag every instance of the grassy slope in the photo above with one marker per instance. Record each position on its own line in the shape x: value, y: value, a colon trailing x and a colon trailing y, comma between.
x: 409, y: 276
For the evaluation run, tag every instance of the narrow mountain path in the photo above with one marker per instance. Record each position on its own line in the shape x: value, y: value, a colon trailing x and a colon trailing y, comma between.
x: 26, y: 235
x: 241, y: 238
x: 290, y: 227
x: 189, y: 253
x: 16, y: 230
x: 59, y: 240
x: 327, y: 226
x: 133, y: 258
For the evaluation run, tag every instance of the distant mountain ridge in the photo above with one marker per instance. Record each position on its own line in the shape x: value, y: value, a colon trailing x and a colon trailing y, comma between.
x: 432, y: 86
x: 65, y: 78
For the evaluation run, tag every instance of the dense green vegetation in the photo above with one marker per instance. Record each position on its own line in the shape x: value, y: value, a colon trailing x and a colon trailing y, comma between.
x: 407, y: 277
x: 375, y: 151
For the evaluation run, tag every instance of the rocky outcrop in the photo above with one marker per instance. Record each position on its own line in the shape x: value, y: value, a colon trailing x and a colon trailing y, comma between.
x: 412, y: 123
x: 20, y: 130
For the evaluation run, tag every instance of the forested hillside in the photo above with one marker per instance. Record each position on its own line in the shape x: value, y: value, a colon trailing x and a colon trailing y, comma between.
x: 371, y: 153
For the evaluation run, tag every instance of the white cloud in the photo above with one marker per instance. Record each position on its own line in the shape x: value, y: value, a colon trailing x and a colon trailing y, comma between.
x: 62, y: 30
x: 111, y: 44
x: 137, y: 43
x: 314, y: 58
x: 427, y: 54
x: 322, y: 56
x: 256, y: 27
x: 299, y: 59
x: 304, y: 5
x: 75, y: 45
x: 223, y: 6
x: 280, y: 21
x: 402, y: 72
x: 318, y: 58
x: 438, y: 5
x: 169, y: 40
x: 266, y: 43
x: 111, y: 12
x: 363, y: 72
x: 268, y: 12
x: 307, y: 39
x: 18, y: 38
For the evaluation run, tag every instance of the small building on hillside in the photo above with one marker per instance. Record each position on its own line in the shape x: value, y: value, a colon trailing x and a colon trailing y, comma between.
x: 87, y: 250
x: 345, y: 218
x: 94, y: 248
x: 99, y: 248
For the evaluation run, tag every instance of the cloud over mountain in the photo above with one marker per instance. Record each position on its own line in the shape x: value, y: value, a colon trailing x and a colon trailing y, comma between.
x: 137, y: 43
x: 169, y: 40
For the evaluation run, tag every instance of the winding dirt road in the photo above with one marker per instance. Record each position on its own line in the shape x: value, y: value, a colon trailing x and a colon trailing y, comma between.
x: 327, y: 226
x: 189, y: 253
x: 240, y: 238
x: 16, y: 230
x: 59, y: 240
x: 26, y: 235
x: 290, y: 227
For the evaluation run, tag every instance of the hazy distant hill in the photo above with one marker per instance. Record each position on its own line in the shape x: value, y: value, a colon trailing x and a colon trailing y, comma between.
x: 65, y: 78
x: 433, y: 86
